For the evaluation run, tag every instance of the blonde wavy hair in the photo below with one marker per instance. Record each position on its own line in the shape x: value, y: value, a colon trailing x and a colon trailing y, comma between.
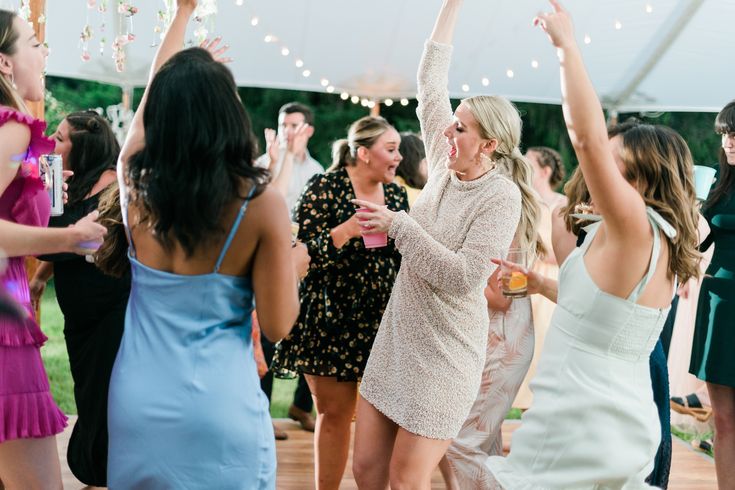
x: 499, y: 119
x: 8, y: 38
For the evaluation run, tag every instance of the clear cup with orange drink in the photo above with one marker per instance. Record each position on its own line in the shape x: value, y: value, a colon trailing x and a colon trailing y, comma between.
x: 514, y: 283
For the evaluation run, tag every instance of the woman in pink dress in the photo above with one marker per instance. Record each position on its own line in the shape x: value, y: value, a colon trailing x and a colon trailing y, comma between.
x: 30, y: 418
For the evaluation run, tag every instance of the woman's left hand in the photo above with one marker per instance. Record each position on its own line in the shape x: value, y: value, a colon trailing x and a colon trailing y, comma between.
x: 378, y: 219
x: 216, y: 50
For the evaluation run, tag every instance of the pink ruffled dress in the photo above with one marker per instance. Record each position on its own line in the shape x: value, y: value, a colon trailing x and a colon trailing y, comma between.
x: 27, y: 408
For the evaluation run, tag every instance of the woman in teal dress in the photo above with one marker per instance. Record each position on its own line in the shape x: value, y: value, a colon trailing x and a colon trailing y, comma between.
x: 714, y: 332
x: 206, y: 235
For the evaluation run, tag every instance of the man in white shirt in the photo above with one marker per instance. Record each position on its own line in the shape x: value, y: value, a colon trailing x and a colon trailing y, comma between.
x: 295, y: 127
x: 288, y: 159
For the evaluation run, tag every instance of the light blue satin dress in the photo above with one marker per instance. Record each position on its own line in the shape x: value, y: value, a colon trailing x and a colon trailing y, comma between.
x: 185, y: 406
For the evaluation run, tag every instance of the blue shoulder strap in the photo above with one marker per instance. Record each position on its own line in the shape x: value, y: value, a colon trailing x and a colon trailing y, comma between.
x: 233, y: 230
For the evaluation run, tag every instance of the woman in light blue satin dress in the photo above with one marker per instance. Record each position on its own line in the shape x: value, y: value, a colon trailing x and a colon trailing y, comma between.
x: 206, y: 235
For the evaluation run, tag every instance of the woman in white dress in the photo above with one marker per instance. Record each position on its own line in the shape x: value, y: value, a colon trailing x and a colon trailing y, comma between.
x: 593, y: 423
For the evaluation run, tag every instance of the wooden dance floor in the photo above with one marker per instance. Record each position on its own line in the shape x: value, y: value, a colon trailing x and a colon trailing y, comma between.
x: 690, y: 470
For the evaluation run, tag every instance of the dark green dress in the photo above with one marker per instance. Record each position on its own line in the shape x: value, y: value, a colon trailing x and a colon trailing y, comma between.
x: 713, y: 350
x: 346, y: 291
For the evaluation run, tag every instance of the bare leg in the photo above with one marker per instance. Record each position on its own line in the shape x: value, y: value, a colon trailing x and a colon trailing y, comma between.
x: 723, y: 408
x: 375, y: 435
x: 414, y: 459
x: 30, y: 464
x: 450, y: 479
x: 335, y: 405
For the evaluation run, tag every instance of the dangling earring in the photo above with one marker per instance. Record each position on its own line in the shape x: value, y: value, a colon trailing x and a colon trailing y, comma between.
x: 12, y: 82
x: 489, y: 162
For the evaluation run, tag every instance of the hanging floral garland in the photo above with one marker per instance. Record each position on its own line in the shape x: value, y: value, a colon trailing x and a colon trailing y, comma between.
x: 125, y: 12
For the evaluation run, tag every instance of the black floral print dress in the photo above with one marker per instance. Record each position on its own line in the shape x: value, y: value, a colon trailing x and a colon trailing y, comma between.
x: 346, y: 291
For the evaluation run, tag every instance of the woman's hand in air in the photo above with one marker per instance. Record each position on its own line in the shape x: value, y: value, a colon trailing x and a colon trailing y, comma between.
x: 557, y: 25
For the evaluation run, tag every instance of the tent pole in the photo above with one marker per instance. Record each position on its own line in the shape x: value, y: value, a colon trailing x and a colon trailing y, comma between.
x: 685, y: 12
x: 38, y: 9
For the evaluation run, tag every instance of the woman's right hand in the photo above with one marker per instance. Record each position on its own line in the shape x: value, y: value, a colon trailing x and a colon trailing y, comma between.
x: 186, y: 4
x: 346, y: 231
x: 301, y: 259
x: 557, y: 25
x: 84, y: 233
x: 36, y: 287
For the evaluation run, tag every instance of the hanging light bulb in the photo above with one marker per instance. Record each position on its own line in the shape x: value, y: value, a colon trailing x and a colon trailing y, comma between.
x: 485, y: 82
x: 509, y: 73
x: 404, y: 102
x: 587, y: 39
x: 306, y: 73
x: 465, y: 88
x: 330, y: 89
x: 285, y: 51
x: 344, y: 96
x: 254, y: 21
x: 299, y: 63
x: 388, y: 102
x: 534, y: 64
x: 355, y: 99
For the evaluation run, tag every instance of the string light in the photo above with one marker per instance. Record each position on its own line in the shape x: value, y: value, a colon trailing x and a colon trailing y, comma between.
x: 344, y: 96
x: 465, y: 88
x: 587, y: 39
x: 649, y: 8
x: 306, y: 73
x: 268, y: 38
x: 330, y: 89
x: 254, y: 21
x: 364, y: 102
x: 510, y: 73
x: 285, y: 51
x: 371, y: 104
x: 618, y: 25
x: 404, y: 102
x: 355, y: 99
x: 534, y: 64
x: 299, y: 63
x: 485, y: 82
x: 324, y: 82
x: 239, y: 3
x: 388, y: 102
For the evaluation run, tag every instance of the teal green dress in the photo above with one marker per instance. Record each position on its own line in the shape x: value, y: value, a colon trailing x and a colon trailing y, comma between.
x: 714, y: 333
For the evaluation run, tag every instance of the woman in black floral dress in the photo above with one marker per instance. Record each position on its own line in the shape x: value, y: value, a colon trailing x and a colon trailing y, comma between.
x: 347, y: 289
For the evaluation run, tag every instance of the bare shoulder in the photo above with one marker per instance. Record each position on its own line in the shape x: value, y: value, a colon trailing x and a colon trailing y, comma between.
x: 268, y: 208
x: 15, y: 136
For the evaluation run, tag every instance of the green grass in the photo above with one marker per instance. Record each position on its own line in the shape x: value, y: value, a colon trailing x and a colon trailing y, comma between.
x: 56, y: 360
x: 54, y: 353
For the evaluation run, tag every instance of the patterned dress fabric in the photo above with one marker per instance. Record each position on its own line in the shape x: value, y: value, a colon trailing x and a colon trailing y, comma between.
x: 27, y: 408
x: 425, y: 369
x: 345, y: 293
x: 510, y: 346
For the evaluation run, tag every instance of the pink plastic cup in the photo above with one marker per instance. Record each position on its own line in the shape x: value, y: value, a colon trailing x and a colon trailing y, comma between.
x: 373, y: 240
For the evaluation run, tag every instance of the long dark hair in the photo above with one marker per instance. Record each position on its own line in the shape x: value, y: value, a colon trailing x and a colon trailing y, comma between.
x: 413, y: 152
x: 199, y: 150
x: 724, y: 124
x: 94, y: 149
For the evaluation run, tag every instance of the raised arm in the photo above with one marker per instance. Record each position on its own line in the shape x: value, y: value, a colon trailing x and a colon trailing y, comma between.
x: 614, y: 197
x: 434, y: 108
x: 171, y: 44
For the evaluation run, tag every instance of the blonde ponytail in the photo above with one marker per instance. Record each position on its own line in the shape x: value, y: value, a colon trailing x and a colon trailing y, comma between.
x: 498, y: 119
x: 341, y: 155
x: 519, y: 170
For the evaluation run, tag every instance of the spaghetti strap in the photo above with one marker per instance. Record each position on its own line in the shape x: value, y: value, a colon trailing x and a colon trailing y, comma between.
x: 126, y: 223
x: 233, y: 230
x: 658, y: 223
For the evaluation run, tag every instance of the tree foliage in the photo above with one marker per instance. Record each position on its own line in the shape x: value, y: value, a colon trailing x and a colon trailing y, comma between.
x: 543, y: 125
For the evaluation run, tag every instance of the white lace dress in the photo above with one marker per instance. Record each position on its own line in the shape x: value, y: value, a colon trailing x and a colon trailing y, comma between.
x: 426, y: 363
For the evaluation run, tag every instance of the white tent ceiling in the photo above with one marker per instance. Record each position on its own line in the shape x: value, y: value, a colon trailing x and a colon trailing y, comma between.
x: 678, y: 56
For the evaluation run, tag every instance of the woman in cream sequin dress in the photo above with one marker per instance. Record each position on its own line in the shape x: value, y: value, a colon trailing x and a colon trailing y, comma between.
x: 424, y: 371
